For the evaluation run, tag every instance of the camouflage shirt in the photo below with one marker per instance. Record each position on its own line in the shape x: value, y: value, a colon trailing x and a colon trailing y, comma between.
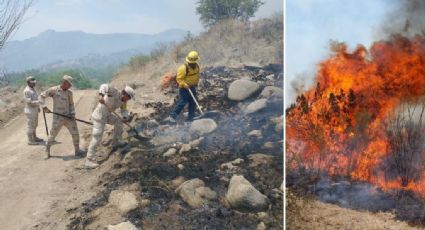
x: 63, y: 102
x: 112, y: 97
x: 31, y: 100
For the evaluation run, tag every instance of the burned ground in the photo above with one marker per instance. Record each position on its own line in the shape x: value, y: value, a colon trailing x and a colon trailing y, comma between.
x: 145, y: 164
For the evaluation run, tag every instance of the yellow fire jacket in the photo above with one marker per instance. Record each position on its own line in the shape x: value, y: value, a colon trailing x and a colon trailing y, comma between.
x: 189, y: 75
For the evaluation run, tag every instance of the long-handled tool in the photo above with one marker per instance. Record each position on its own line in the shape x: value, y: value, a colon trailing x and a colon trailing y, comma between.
x: 208, y: 114
x: 132, y: 129
x: 69, y: 117
x: 45, y: 124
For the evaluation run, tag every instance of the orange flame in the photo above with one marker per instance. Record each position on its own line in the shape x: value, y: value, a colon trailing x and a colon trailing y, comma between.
x: 340, y: 122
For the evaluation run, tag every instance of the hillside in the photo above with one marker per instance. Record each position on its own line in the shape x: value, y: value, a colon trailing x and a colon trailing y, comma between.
x: 184, y: 176
x: 65, y: 48
x: 164, y: 172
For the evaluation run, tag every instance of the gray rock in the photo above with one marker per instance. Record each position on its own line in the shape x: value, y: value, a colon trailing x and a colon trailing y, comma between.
x: 196, y: 143
x: 177, y: 182
x: 255, y: 133
x: 232, y: 164
x: 125, y: 201
x: 163, y: 140
x: 270, y: 77
x: 268, y: 145
x: 262, y: 215
x: 278, y: 122
x: 239, y: 90
x: 170, y: 152
x: 261, y: 226
x: 145, y: 203
x: 227, y: 165
x: 180, y: 166
x: 152, y: 123
x: 242, y: 196
x: 237, y: 161
x: 271, y: 91
x: 202, y: 126
x: 256, y: 106
x: 123, y: 226
x: 195, y: 193
x: 185, y: 148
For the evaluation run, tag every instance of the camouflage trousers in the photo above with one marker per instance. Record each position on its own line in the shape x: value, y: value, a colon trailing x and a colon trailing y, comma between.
x: 99, y: 128
x: 58, y: 123
x: 32, y: 122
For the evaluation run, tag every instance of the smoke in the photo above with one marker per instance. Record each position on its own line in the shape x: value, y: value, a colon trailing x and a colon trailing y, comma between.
x: 407, y: 19
x: 356, y: 195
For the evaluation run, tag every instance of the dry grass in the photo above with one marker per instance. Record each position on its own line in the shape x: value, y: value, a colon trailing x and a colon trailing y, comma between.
x: 229, y: 43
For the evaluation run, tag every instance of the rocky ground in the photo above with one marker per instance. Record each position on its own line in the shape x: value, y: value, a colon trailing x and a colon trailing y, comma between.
x: 223, y: 172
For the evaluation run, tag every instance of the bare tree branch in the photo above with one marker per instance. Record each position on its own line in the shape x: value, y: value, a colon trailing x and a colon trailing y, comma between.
x: 405, y: 136
x: 11, y: 15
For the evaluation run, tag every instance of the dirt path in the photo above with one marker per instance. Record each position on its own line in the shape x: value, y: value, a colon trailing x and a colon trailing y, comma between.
x: 35, y: 193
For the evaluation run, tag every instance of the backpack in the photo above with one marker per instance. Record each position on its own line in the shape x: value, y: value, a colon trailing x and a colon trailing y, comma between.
x: 170, y: 78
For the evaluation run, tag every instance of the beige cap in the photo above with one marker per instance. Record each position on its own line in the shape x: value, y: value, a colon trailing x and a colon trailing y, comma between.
x: 31, y: 79
x: 68, y: 79
x: 130, y: 91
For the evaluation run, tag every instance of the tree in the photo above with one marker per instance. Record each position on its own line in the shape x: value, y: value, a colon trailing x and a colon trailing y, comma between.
x: 11, y: 15
x: 212, y: 11
x: 406, y: 138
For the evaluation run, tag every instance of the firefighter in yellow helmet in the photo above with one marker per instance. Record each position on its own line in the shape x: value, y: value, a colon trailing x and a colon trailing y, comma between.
x: 187, y: 78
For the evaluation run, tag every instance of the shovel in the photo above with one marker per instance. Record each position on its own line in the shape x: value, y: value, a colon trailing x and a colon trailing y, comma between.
x: 69, y: 117
x: 133, y: 130
x: 208, y: 114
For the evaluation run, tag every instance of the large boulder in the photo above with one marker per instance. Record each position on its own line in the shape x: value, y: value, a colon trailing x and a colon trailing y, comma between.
x: 124, y: 201
x: 244, y: 197
x: 256, y: 106
x: 195, y: 193
x: 202, y: 126
x: 271, y: 91
x: 122, y: 226
x: 240, y: 90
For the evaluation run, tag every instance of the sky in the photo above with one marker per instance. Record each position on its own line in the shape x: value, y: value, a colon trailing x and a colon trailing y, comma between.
x: 119, y: 16
x: 312, y: 24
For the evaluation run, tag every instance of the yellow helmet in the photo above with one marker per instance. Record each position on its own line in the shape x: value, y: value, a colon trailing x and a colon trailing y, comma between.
x: 192, y: 57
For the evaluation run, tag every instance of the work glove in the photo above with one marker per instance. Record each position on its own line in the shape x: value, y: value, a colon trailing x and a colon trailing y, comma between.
x: 46, y: 110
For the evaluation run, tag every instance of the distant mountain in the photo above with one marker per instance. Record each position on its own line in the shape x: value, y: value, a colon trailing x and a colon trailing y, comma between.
x: 51, y: 48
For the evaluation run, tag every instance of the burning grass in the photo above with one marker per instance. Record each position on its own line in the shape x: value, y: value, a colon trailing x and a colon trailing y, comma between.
x: 362, y: 124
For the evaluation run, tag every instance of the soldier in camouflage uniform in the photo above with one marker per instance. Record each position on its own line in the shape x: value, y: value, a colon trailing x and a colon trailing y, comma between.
x: 110, y: 99
x: 63, y: 103
x: 32, y: 108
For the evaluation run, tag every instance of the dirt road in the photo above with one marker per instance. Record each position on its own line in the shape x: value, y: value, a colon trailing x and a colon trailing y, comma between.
x: 35, y: 193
